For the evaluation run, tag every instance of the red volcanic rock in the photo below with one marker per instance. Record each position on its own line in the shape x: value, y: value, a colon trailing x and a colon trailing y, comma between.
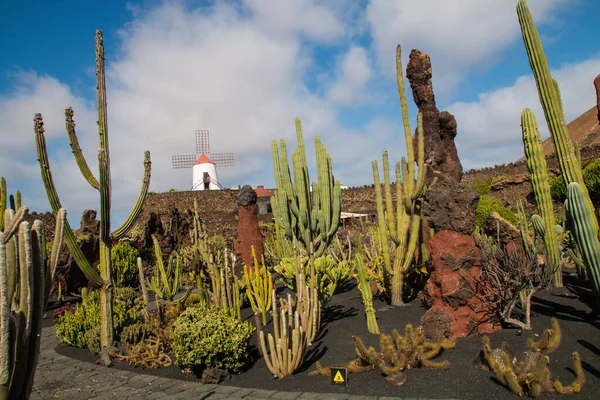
x: 455, y: 308
x: 248, y: 231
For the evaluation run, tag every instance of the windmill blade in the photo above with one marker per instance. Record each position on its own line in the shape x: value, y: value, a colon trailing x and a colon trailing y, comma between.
x: 222, y: 159
x: 184, y: 161
x: 202, y: 141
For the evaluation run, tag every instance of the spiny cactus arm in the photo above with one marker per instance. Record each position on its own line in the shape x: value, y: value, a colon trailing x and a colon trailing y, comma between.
x: 76, y: 149
x: 549, y: 98
x: 538, y: 171
x: 303, y: 195
x: 381, y: 219
x: 5, y: 323
x: 12, y: 220
x: 2, y: 202
x: 137, y: 208
x: 407, y: 131
x: 389, y: 205
x: 581, y: 218
x: 37, y: 294
x: 24, y: 323
x: 90, y: 273
x: 420, y: 181
x: 18, y: 196
x: 52, y: 258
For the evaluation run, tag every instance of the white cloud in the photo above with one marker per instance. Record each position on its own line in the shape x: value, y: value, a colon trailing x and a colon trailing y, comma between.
x: 355, y: 73
x: 178, y: 70
x: 291, y: 17
x: 458, y: 34
x: 489, y: 129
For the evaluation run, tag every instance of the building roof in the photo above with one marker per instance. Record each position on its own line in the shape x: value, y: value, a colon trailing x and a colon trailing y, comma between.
x: 203, y: 159
x: 262, y: 192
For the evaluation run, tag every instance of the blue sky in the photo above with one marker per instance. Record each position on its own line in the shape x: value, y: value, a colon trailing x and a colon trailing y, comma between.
x: 245, y: 69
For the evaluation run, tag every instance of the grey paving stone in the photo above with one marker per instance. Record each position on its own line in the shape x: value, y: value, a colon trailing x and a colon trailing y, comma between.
x: 226, y: 389
x: 156, y: 395
x: 243, y: 392
x: 177, y: 388
x: 308, y: 396
x: 286, y: 395
x: 262, y: 393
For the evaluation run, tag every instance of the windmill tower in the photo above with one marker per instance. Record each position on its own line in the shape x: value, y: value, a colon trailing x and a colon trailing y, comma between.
x: 204, y: 167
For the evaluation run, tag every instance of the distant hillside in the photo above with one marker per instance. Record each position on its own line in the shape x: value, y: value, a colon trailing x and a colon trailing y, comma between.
x: 584, y: 130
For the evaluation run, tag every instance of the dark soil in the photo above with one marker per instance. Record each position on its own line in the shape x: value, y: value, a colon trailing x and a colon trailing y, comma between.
x: 466, y: 378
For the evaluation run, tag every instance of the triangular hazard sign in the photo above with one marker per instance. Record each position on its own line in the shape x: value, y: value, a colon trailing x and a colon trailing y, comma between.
x: 338, y: 377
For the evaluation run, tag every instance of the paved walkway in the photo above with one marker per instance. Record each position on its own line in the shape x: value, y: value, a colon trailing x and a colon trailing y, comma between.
x: 60, y: 377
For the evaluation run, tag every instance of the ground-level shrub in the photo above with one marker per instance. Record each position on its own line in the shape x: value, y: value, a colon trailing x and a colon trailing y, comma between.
x: 489, y: 204
x: 81, y: 327
x: 207, y: 336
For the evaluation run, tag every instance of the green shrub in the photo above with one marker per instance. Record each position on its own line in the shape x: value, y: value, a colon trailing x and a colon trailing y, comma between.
x: 482, y: 186
x: 81, y: 328
x: 591, y: 178
x: 71, y: 327
x: 489, y: 204
x: 207, y: 336
x: 124, y: 263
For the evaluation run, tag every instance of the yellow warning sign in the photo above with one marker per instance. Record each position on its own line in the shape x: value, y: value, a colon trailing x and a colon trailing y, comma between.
x: 339, y: 376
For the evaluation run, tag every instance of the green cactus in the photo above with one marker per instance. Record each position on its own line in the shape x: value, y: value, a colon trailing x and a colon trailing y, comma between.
x: 285, y: 353
x: 21, y: 320
x: 103, y: 185
x: 580, y: 218
x: 311, y: 221
x: 401, y: 221
x: 549, y: 95
x: 364, y: 285
x: 538, y: 171
x: 166, y: 282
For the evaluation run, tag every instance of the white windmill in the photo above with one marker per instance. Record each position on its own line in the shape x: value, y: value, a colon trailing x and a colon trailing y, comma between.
x: 204, y: 167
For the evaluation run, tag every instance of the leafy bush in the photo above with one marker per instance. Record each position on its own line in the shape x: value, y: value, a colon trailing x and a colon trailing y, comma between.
x: 482, y: 186
x: 489, y: 204
x: 207, y: 336
x: 72, y: 326
x: 124, y: 263
x: 80, y: 328
x: 591, y: 178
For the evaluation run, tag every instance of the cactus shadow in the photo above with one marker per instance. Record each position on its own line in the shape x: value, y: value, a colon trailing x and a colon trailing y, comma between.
x: 312, y: 356
x: 335, y: 312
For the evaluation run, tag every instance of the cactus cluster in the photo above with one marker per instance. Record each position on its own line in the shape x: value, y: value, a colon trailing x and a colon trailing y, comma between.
x: 286, y: 351
x: 166, y: 282
x: 397, y: 354
x: 531, y: 376
x: 309, y: 213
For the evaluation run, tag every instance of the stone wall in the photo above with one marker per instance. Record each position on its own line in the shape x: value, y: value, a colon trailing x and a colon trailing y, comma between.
x: 512, y: 179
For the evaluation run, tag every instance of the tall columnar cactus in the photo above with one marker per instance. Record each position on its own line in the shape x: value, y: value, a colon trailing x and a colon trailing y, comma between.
x: 581, y: 218
x: 103, y: 185
x: 21, y: 316
x: 364, y: 285
x: 401, y: 220
x: 311, y: 221
x: 549, y: 95
x: 538, y: 171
